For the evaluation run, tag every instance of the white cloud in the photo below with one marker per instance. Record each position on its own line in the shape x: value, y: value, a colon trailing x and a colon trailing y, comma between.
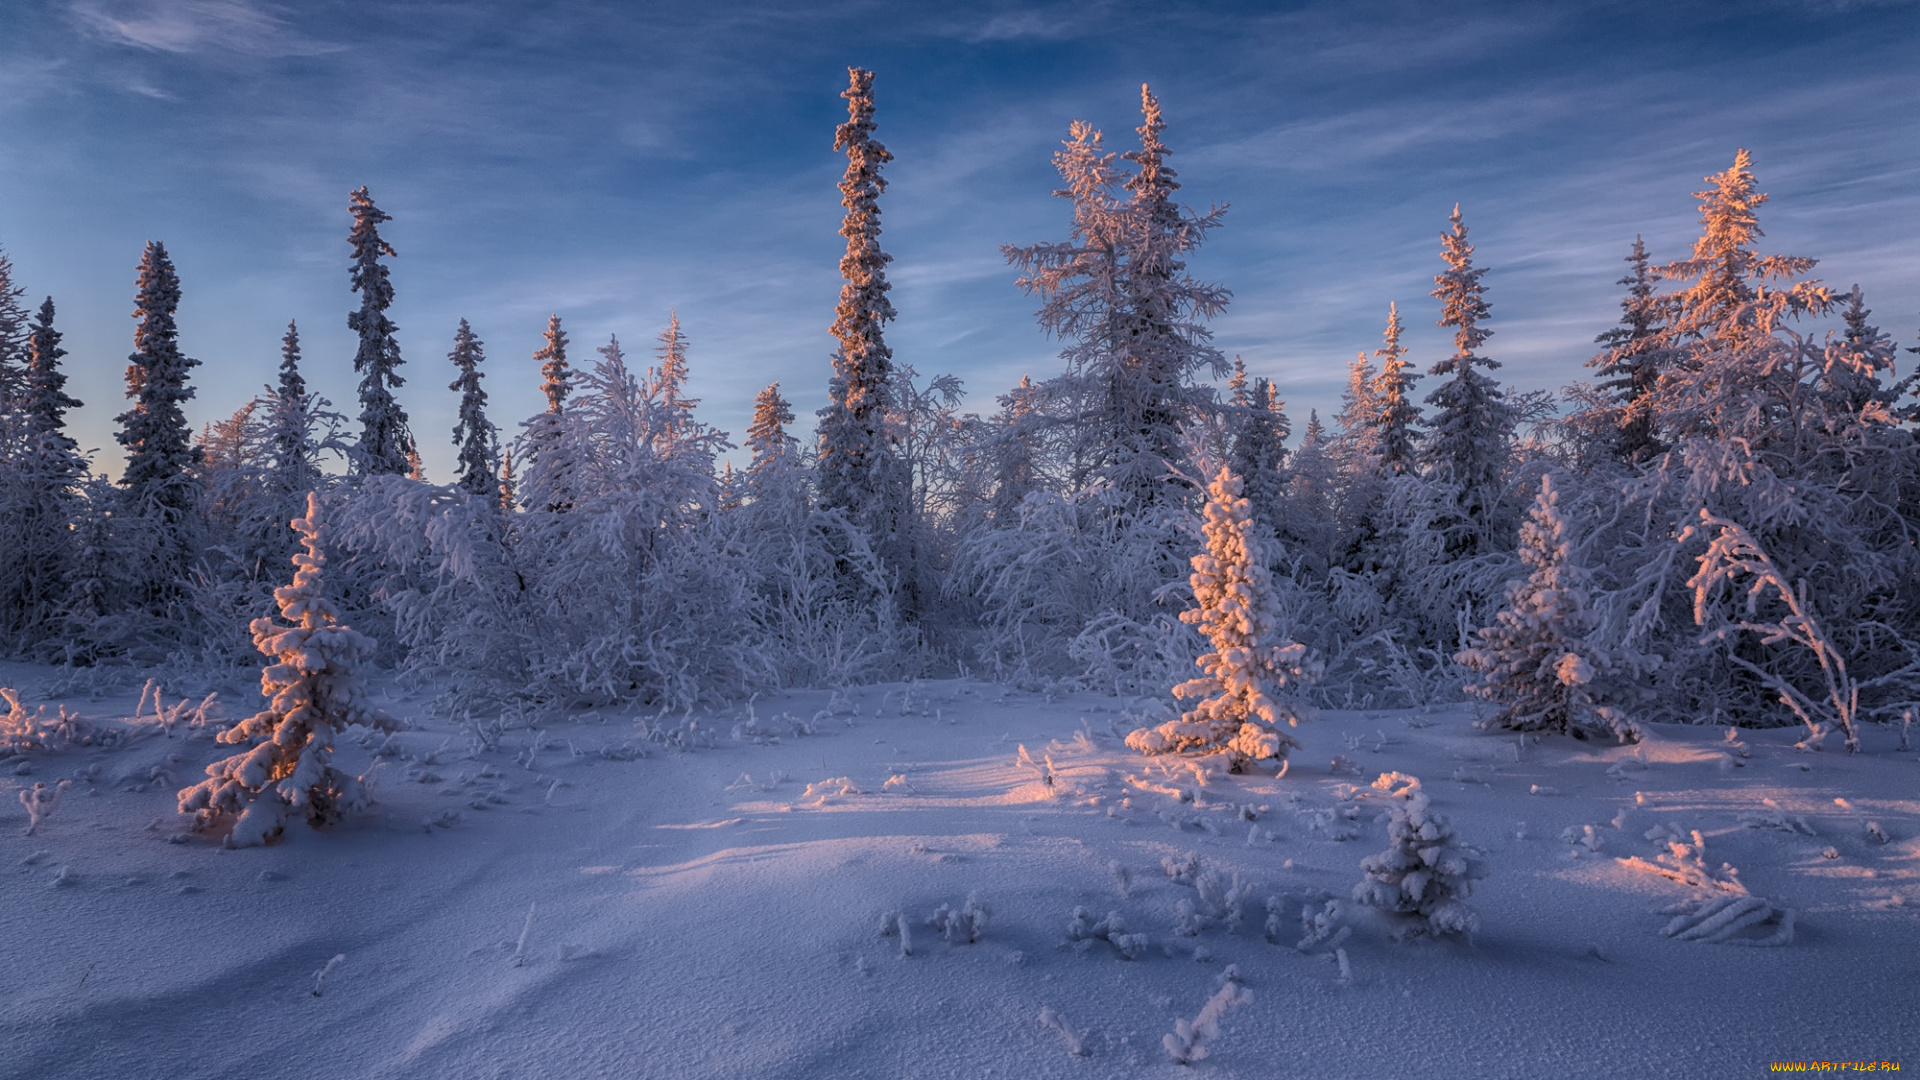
x: 196, y: 26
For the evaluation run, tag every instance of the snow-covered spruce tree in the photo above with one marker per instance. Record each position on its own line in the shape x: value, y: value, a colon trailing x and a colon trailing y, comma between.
x: 1163, y: 322
x: 1358, y: 442
x: 1396, y: 417
x: 1258, y: 456
x: 1011, y: 444
x: 1629, y: 369
x: 294, y: 418
x: 160, y: 491
x: 1134, y: 320
x: 548, y: 444
x: 1313, y: 481
x: 40, y: 495
x: 1423, y: 878
x: 775, y: 453
x: 669, y: 378
x: 14, y: 328
x: 313, y: 691
x: 556, y: 377
x: 1536, y: 661
x: 477, y: 466
x: 1246, y: 691
x: 1468, y: 440
x: 859, y: 474
x: 386, y: 443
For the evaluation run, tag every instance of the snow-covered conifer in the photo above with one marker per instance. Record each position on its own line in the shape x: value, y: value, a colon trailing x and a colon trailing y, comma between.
x: 293, y: 417
x: 386, y: 443
x: 313, y: 691
x: 40, y: 494
x: 1249, y: 678
x: 1358, y: 419
x: 1012, y: 445
x: 1258, y: 456
x: 1396, y: 417
x: 477, y: 465
x: 1423, y: 878
x: 1536, y: 662
x: 556, y: 377
x: 158, y: 481
x: 775, y: 453
x: 13, y: 338
x: 1468, y: 441
x: 859, y: 473
x: 549, y: 441
x: 1118, y: 292
x: 1631, y: 365
x: 669, y: 379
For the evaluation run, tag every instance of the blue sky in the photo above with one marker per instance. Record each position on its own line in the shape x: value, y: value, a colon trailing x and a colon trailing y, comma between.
x: 613, y: 161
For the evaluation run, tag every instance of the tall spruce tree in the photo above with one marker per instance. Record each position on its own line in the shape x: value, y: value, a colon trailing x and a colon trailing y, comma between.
x: 158, y: 484
x: 556, y: 377
x: 159, y: 443
x: 1469, y: 440
x: 1630, y: 367
x: 14, y: 329
x: 1258, y: 457
x: 1134, y: 319
x: 477, y: 466
x: 1731, y: 377
x: 1395, y: 414
x: 386, y: 443
x: 859, y: 471
x: 670, y: 382
x: 295, y: 454
x: 41, y: 492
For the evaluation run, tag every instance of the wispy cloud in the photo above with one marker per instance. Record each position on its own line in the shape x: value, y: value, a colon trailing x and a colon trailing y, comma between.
x: 1057, y: 23
x: 196, y: 26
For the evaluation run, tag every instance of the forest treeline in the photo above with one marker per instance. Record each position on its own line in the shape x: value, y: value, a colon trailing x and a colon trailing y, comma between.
x: 1714, y: 522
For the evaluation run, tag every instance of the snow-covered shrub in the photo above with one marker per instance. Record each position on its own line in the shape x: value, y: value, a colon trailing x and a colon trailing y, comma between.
x: 313, y: 690
x: 964, y: 926
x: 1084, y: 929
x: 22, y: 730
x: 1733, y: 554
x: 1535, y: 662
x: 1244, y: 691
x: 1423, y: 877
x: 1730, y: 920
x: 1187, y: 1042
x: 41, y: 800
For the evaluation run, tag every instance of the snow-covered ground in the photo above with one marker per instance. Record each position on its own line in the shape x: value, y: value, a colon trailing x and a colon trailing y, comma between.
x: 591, y: 900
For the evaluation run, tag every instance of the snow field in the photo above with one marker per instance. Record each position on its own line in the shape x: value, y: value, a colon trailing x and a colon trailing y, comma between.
x: 613, y: 905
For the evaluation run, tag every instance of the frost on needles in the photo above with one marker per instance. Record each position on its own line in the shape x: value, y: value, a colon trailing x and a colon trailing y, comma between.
x: 312, y: 691
x: 1242, y: 693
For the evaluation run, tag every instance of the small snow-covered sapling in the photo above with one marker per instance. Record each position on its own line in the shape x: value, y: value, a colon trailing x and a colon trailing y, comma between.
x: 40, y: 801
x: 1423, y: 876
x: 1187, y: 1043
